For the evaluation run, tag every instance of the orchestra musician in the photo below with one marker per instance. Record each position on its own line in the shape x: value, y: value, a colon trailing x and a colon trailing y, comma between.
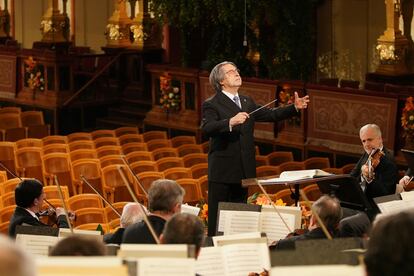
x: 329, y: 210
x: 378, y: 176
x: 29, y: 198
x: 228, y: 121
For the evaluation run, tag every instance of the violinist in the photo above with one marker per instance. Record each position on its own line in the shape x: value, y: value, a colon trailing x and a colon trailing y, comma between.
x: 29, y: 198
x: 330, y: 212
x: 376, y: 169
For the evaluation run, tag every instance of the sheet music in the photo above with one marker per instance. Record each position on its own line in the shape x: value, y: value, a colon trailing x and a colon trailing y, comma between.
x: 407, y: 195
x: 235, y: 238
x: 153, y: 250
x: 241, y: 222
x: 289, y: 176
x: 170, y: 266
x: 188, y: 209
x: 320, y: 270
x: 36, y: 245
x: 234, y: 259
x: 273, y: 226
x: 240, y: 259
x: 395, y: 206
x: 210, y: 262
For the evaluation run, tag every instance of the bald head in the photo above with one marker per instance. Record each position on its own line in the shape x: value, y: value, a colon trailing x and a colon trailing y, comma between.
x: 132, y: 213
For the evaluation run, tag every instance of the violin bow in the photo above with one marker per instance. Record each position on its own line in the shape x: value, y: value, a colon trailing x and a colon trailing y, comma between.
x: 21, y: 179
x: 63, y: 202
x: 274, y: 206
x: 318, y: 218
x: 147, y: 222
x: 135, y: 176
x: 96, y: 192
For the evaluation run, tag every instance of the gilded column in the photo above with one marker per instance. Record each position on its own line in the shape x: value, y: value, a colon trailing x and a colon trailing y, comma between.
x: 117, y: 30
x: 392, y: 45
x: 54, y: 25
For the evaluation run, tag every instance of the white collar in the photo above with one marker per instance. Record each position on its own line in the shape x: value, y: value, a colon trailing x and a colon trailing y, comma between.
x: 32, y: 213
x: 230, y: 95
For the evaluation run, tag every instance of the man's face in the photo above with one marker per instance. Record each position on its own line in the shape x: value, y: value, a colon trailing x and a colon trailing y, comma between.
x: 370, y: 140
x: 232, y: 80
x: 39, y: 202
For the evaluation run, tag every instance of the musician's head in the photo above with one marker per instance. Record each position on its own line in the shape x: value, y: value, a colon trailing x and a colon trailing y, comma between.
x: 225, y: 76
x: 184, y: 228
x: 390, y: 247
x: 29, y: 194
x: 131, y: 213
x: 13, y: 260
x: 165, y: 197
x: 329, y: 210
x: 371, y: 137
x: 77, y: 245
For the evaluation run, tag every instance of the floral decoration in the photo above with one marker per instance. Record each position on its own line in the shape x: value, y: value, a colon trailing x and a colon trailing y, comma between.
x: 170, y: 98
x: 407, y: 119
x: 203, y: 215
x: 34, y: 71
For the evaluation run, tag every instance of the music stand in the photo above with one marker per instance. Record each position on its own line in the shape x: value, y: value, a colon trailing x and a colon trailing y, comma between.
x: 233, y: 206
x: 349, y: 192
x: 409, y: 157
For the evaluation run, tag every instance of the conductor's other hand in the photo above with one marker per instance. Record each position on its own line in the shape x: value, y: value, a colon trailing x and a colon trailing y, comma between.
x: 301, y: 103
x: 239, y: 119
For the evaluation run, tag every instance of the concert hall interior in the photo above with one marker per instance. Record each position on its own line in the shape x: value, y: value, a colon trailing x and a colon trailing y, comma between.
x: 254, y: 110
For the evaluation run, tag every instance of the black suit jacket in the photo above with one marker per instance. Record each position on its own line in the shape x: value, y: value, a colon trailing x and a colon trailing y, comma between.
x: 386, y: 176
x: 289, y: 243
x: 232, y: 153
x: 139, y: 232
x: 115, y: 237
x: 22, y: 216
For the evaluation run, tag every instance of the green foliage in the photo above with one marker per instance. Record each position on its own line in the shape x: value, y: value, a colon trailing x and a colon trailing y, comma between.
x: 282, y: 31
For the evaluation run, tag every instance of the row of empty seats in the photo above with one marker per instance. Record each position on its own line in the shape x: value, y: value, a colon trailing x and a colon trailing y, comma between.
x: 16, y: 125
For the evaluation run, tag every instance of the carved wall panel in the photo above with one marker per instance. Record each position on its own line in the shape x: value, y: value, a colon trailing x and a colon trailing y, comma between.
x: 334, y: 119
x: 7, y: 76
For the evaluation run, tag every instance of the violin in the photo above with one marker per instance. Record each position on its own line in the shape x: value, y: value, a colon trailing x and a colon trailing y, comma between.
x: 297, y: 232
x: 373, y: 161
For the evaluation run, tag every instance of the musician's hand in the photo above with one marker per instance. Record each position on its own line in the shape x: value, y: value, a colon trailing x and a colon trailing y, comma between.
x: 365, y: 173
x: 301, y: 103
x: 238, y: 119
x: 404, y: 181
x: 60, y: 211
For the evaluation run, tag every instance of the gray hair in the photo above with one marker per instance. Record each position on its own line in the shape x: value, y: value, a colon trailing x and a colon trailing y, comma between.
x: 164, y: 194
x: 329, y: 210
x: 131, y: 213
x: 217, y: 75
x: 374, y: 127
x: 13, y: 260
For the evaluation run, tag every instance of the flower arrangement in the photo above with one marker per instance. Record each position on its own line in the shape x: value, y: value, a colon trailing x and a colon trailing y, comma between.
x: 34, y: 75
x: 203, y: 215
x: 407, y: 120
x: 170, y: 98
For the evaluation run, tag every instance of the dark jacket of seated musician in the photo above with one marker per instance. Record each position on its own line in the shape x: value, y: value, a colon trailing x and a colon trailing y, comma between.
x: 131, y: 213
x: 330, y: 212
x: 164, y: 200
x: 29, y: 197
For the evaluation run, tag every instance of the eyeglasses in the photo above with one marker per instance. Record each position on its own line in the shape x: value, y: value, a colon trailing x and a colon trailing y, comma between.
x: 233, y: 71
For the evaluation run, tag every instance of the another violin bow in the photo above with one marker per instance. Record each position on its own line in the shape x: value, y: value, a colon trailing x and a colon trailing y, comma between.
x: 274, y: 206
x: 136, y: 176
x: 63, y: 203
x: 147, y: 222
x: 16, y: 176
x: 318, y: 218
x: 96, y: 192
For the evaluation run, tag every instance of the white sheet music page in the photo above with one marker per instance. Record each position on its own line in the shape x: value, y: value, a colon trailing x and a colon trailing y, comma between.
x: 288, y: 176
x: 241, y: 222
x: 407, y: 195
x: 210, y: 262
x: 35, y: 244
x: 273, y: 226
x: 320, y: 270
x: 241, y: 259
x: 166, y: 266
x: 236, y: 238
x: 188, y: 209
x: 395, y: 206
